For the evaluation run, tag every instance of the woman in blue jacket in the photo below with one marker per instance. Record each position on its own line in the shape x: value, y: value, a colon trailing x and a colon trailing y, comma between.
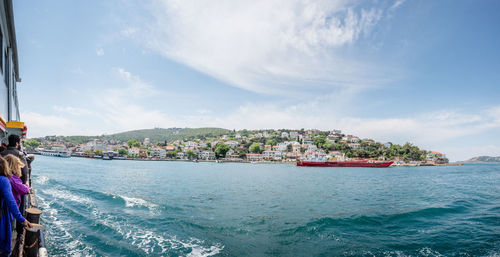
x: 8, y: 209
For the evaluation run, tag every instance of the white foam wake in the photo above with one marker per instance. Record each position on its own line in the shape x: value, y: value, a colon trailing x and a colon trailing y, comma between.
x: 58, y: 234
x: 42, y: 180
x: 131, y: 202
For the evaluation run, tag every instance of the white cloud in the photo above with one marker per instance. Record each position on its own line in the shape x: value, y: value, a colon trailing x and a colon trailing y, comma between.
x: 127, y: 32
x: 100, y: 52
x: 267, y: 46
x: 127, y: 107
x: 130, y: 106
x: 431, y: 131
x: 71, y: 110
x: 43, y: 125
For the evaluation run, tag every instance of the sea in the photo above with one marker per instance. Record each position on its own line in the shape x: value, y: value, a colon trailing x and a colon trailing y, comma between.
x: 170, y: 208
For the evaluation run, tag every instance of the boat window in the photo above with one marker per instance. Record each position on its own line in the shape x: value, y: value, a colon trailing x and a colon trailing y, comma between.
x: 1, y: 47
x: 6, y: 73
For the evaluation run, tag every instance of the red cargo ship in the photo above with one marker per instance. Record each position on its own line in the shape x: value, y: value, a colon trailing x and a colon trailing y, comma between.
x: 356, y: 163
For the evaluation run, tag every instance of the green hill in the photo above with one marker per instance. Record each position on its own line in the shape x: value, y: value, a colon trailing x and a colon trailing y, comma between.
x: 157, y: 135
x: 170, y: 134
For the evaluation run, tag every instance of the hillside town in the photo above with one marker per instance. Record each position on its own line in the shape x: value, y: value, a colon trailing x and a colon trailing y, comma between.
x: 244, y: 146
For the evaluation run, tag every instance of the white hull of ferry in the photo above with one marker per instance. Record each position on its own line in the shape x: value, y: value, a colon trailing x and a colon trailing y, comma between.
x: 64, y: 154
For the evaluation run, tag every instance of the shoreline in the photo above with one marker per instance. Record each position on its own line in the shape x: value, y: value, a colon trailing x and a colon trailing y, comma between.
x: 248, y: 162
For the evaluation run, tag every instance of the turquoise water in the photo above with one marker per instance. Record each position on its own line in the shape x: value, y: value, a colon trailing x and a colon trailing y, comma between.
x: 134, y: 208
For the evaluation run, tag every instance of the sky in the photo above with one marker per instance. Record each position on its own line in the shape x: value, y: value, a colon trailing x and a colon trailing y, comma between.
x: 425, y: 72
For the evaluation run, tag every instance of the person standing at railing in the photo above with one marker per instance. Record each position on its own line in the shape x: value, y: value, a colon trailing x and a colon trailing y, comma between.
x: 8, y: 209
x: 13, y: 148
x: 18, y: 188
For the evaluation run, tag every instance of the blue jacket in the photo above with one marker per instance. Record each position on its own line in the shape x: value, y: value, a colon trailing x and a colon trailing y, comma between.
x: 9, y: 209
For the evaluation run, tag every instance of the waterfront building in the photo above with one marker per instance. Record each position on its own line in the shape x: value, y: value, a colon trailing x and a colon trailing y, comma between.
x: 254, y: 157
x: 134, y: 151
x: 272, y: 155
x: 146, y: 141
x: 207, y: 155
x: 159, y: 152
x: 294, y: 135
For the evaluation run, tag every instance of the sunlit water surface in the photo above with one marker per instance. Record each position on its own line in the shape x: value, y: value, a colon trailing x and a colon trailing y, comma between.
x: 137, y: 208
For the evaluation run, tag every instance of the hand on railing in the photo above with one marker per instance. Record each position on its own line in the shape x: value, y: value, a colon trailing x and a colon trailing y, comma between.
x: 27, y: 224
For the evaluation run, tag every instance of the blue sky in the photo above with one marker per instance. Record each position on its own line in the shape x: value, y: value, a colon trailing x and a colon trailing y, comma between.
x: 426, y: 72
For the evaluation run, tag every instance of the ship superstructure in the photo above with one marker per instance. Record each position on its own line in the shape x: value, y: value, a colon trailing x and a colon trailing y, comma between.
x: 10, y: 120
x: 26, y: 241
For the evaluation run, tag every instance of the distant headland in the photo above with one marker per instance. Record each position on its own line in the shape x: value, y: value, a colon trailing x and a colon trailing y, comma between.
x: 484, y: 159
x: 205, y: 144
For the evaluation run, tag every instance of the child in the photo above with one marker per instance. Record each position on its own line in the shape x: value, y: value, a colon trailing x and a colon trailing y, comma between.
x: 18, y: 188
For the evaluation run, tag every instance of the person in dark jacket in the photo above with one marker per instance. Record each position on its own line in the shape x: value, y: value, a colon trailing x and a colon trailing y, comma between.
x: 8, y: 209
x: 13, y: 148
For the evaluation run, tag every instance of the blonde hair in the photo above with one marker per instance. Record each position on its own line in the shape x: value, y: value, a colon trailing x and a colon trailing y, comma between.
x: 15, y: 165
x: 4, y: 168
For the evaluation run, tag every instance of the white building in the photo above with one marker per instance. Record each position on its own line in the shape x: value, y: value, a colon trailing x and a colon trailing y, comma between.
x: 283, y: 146
x: 133, y: 151
x: 207, y: 155
x: 354, y: 145
x: 159, y: 152
x: 284, y: 134
x: 146, y: 141
x: 191, y: 144
x: 253, y: 157
x: 272, y: 155
x: 232, y: 143
x: 312, y: 147
x: 336, y: 131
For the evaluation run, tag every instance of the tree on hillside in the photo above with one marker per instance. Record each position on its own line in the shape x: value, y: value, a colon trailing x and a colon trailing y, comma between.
x: 220, y: 150
x: 289, y: 148
x: 133, y: 143
x: 271, y: 142
x: 190, y: 154
x: 255, y: 148
x: 122, y: 152
x: 319, y: 141
x: 32, y: 143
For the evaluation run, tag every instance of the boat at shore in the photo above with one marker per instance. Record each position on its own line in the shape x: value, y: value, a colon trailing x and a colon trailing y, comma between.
x: 354, y: 163
x: 56, y: 153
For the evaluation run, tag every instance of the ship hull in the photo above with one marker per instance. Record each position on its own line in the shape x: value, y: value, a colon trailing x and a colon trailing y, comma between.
x: 366, y: 164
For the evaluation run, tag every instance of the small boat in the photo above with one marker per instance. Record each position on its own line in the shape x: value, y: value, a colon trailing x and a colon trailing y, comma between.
x: 108, y: 155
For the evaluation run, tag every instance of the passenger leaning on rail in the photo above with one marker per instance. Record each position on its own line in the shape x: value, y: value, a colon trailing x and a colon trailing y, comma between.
x: 8, y: 209
x: 18, y: 188
x: 13, y: 148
